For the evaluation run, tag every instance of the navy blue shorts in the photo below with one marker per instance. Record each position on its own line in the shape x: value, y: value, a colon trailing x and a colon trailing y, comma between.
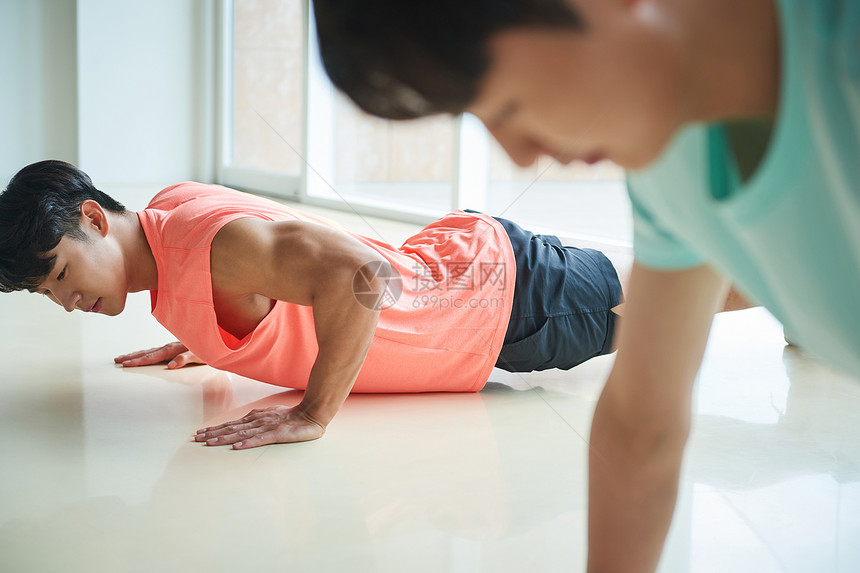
x: 562, y: 309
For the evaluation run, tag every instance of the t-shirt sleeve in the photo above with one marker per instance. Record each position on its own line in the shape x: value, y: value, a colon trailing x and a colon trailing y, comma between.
x: 654, y: 246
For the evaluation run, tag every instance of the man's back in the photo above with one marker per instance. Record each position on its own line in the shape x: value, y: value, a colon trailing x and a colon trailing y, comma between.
x: 440, y: 329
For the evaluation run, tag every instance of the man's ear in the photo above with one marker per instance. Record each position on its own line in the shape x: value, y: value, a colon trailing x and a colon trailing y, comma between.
x: 94, y: 217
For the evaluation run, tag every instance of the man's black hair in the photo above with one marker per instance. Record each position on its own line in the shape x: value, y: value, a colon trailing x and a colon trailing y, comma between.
x: 39, y: 207
x: 405, y: 59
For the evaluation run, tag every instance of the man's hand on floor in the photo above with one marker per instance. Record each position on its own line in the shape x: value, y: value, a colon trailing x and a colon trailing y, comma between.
x: 175, y: 354
x: 273, y: 425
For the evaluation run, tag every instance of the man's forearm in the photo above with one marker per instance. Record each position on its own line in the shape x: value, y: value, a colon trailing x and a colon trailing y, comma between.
x: 329, y: 385
x: 344, y: 330
x: 633, y: 485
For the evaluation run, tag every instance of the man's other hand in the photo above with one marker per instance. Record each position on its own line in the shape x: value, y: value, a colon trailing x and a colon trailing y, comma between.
x: 175, y: 354
x: 273, y: 425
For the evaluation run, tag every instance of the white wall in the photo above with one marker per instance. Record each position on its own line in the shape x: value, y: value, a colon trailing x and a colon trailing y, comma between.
x: 114, y: 86
x: 38, y: 97
x: 136, y: 90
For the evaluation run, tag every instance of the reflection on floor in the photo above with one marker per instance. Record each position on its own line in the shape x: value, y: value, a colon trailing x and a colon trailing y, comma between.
x: 98, y: 473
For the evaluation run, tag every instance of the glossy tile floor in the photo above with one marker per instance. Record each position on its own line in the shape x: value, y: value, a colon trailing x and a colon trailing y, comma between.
x: 98, y: 473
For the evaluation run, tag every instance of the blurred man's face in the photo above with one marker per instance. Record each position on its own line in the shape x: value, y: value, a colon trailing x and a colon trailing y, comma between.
x: 611, y: 92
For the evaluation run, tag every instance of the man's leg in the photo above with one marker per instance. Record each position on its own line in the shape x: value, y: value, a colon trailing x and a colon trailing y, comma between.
x: 562, y: 310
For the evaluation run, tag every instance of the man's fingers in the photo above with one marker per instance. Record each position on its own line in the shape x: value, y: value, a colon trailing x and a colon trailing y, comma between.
x: 151, y: 355
x: 256, y: 414
x: 132, y: 355
x: 234, y: 437
x: 183, y: 359
x: 226, y: 430
x: 144, y: 357
x: 145, y: 360
x: 246, y: 420
x: 261, y: 439
x: 140, y: 361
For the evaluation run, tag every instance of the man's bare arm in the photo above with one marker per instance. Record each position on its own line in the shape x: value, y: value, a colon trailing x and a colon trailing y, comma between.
x: 642, y: 419
x: 305, y: 264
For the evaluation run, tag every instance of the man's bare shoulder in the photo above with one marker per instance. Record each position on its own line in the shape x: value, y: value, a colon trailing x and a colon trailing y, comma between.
x: 245, y: 247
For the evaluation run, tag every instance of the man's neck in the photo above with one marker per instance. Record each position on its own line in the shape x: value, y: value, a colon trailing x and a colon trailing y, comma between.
x: 140, y: 266
x: 733, y: 62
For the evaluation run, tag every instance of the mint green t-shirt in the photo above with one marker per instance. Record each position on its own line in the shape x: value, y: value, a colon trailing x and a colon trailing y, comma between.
x: 789, y: 236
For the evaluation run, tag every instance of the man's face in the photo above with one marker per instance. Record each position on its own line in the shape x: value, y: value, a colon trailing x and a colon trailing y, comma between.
x: 611, y: 92
x: 87, y: 275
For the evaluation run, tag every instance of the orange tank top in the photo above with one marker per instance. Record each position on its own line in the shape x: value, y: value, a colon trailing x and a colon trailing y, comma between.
x: 442, y: 331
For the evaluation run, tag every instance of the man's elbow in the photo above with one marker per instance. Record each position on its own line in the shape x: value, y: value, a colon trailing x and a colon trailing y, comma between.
x: 643, y: 435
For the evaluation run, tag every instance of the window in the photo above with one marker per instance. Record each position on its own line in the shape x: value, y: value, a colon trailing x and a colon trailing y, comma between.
x: 263, y: 54
x: 574, y: 200
x: 400, y: 164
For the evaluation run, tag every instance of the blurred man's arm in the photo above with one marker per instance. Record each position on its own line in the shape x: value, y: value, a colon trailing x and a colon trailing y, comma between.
x: 642, y: 419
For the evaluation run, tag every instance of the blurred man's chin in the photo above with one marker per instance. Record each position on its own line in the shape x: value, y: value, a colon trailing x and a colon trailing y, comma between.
x: 115, y: 311
x: 637, y: 161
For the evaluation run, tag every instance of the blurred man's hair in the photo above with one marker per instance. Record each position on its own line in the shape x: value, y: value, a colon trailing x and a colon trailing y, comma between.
x: 402, y: 60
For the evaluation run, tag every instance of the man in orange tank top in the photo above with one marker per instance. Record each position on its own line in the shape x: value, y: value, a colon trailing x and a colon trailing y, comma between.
x: 257, y: 288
